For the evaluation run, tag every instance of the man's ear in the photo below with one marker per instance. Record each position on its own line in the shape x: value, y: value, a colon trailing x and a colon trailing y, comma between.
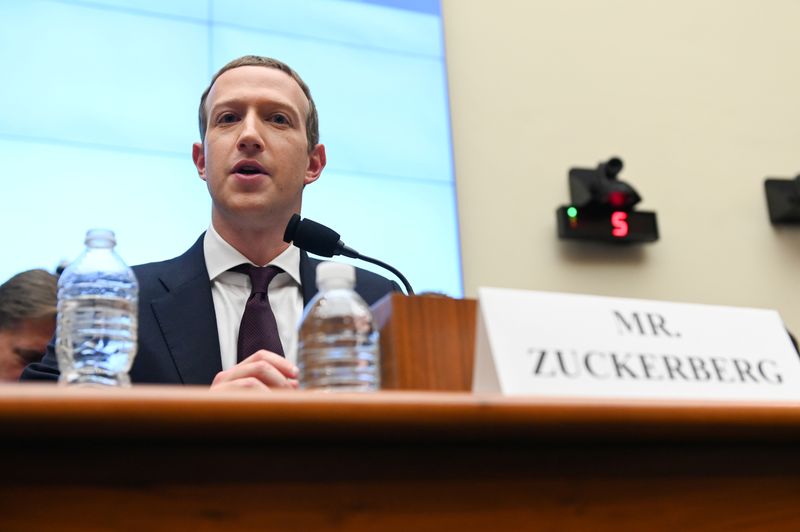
x: 199, y: 158
x: 316, y: 162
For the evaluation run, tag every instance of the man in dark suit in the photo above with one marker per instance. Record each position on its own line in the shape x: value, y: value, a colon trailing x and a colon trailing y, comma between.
x: 260, y: 148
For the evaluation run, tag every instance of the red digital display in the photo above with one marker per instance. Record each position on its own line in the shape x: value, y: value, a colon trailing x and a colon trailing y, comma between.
x: 610, y: 225
x: 619, y: 224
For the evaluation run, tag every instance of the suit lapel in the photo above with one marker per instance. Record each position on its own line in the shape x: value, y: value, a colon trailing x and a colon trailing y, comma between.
x: 308, y: 276
x: 187, y: 319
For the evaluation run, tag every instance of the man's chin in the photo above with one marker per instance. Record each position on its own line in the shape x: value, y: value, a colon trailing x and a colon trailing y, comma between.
x: 255, y: 215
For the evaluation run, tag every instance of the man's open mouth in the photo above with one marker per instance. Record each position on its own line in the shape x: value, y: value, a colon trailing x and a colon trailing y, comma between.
x: 248, y: 168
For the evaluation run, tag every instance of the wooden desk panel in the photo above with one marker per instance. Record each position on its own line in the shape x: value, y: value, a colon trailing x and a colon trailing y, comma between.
x: 188, y: 459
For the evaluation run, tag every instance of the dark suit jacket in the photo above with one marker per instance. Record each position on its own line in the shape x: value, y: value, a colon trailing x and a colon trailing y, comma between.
x: 178, y: 339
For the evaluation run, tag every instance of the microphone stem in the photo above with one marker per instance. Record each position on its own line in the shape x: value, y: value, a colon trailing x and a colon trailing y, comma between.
x: 409, y: 290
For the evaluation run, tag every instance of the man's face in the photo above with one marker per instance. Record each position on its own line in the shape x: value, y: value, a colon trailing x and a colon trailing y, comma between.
x: 255, y: 158
x: 23, y: 344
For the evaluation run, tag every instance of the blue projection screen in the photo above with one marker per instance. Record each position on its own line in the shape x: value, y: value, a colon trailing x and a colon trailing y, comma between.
x: 100, y: 113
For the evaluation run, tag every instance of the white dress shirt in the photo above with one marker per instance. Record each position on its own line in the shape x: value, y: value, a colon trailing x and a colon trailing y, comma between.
x: 230, y: 291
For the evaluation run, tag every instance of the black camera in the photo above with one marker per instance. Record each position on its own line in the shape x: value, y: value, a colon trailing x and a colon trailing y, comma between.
x: 602, y: 208
x: 601, y: 187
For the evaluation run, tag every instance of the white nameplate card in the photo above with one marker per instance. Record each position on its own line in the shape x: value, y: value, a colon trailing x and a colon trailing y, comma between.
x: 564, y: 345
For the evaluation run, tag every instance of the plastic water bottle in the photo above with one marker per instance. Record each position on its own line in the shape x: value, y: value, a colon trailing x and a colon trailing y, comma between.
x: 338, y: 346
x: 97, y: 316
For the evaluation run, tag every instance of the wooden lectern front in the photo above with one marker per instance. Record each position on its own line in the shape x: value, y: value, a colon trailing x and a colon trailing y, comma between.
x: 183, y: 458
x: 427, y: 342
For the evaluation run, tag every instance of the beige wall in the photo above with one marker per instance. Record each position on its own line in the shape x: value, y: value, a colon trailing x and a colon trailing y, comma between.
x: 701, y: 98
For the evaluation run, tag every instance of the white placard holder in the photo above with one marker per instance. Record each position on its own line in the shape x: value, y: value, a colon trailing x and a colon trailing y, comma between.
x: 576, y: 346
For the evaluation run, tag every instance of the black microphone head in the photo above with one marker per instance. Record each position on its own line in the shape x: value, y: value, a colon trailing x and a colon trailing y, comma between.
x: 291, y: 228
x: 312, y: 237
x: 612, y: 167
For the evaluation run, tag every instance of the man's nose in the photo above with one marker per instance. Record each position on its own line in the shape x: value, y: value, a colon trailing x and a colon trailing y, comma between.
x: 249, y: 137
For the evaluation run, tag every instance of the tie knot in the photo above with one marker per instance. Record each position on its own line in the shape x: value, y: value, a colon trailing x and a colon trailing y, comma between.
x: 260, y: 277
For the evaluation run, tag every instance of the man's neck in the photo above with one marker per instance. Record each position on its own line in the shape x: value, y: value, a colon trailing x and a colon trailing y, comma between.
x: 259, y: 244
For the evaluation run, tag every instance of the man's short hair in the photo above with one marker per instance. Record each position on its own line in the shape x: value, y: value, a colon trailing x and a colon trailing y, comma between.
x: 312, y: 119
x: 28, y: 295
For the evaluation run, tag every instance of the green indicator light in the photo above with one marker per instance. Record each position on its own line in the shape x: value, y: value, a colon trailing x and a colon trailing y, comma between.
x: 572, y: 212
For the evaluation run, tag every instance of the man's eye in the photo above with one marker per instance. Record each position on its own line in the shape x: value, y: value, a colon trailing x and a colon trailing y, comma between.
x: 279, y: 119
x: 227, y: 118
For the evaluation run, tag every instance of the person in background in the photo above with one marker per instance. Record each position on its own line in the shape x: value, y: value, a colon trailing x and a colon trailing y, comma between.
x: 27, y: 320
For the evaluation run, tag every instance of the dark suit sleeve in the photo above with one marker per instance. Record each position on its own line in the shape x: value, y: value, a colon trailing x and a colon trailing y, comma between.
x: 44, y: 370
x: 372, y: 286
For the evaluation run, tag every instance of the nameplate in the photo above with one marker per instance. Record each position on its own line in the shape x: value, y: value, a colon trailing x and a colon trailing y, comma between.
x: 565, y: 345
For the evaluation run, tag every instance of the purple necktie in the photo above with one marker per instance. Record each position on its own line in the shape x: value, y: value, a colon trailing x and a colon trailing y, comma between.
x: 258, y: 329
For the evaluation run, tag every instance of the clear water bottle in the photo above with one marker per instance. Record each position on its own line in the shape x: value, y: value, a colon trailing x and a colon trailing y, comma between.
x: 338, y: 346
x: 97, y: 316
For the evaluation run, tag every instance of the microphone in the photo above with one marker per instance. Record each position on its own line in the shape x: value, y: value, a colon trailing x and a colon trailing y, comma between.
x: 320, y: 240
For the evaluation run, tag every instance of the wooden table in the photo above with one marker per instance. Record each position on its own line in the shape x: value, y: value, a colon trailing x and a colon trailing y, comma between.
x: 187, y: 459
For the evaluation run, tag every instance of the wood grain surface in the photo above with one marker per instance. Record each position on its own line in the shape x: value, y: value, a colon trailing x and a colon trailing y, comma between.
x: 427, y: 342
x: 163, y: 458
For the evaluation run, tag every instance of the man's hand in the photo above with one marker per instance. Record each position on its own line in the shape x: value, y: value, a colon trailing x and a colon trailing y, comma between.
x: 262, y: 370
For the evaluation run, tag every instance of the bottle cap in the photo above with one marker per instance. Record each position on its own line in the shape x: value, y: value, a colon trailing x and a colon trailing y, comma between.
x: 335, y: 274
x: 100, y: 238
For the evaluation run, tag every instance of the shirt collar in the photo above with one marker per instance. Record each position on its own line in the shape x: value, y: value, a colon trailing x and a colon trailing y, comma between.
x: 221, y: 256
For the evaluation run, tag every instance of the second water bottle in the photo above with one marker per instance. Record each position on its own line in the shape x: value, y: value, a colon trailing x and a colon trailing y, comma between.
x: 338, y: 345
